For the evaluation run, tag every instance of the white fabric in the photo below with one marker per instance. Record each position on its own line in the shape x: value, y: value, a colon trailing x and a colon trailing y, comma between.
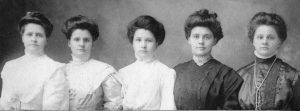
x: 85, y: 79
x: 147, y: 85
x: 32, y: 84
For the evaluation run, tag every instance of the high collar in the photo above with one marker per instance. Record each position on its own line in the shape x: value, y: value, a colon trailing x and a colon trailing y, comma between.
x: 145, y: 59
x: 33, y: 56
x: 261, y: 59
x: 79, y: 60
x: 200, y: 60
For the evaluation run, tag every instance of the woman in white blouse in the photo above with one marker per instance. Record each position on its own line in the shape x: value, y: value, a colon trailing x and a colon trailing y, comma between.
x: 92, y: 85
x: 147, y: 83
x: 30, y: 81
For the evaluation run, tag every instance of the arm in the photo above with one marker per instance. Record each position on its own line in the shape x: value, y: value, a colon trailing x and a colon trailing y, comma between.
x: 167, y: 95
x: 56, y: 95
x: 112, y: 92
x: 232, y: 85
x: 6, y: 93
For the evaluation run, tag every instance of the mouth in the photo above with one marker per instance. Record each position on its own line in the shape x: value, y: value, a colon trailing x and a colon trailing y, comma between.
x: 33, y: 45
x: 264, y: 48
x: 201, y: 48
x: 81, y: 50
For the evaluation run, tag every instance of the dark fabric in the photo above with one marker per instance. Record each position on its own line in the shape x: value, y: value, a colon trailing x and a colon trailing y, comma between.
x: 276, y: 92
x: 210, y: 86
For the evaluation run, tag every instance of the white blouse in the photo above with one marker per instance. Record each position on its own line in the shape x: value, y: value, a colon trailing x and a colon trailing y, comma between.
x: 147, y: 85
x: 30, y: 83
x: 92, y: 85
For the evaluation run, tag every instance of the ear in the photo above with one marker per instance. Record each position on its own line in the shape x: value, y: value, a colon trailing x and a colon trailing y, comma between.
x: 69, y: 43
x: 189, y: 41
x: 215, y: 41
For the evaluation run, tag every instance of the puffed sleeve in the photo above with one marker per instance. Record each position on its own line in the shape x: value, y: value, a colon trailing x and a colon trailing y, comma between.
x: 296, y: 93
x: 232, y: 85
x: 168, y: 81
x: 5, y: 93
x: 56, y: 95
x: 112, y: 91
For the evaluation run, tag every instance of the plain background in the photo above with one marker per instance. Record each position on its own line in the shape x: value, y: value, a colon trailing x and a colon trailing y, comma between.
x: 112, y: 16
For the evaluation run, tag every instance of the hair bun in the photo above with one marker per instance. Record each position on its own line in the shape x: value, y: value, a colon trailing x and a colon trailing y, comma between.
x: 207, y: 13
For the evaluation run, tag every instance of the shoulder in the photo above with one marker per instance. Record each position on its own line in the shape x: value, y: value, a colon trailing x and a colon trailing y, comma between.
x: 101, y: 67
x: 227, y: 71
x: 164, y: 68
x: 288, y: 71
x: 14, y: 62
x: 10, y: 66
x: 243, y: 70
x: 182, y: 66
x: 127, y: 68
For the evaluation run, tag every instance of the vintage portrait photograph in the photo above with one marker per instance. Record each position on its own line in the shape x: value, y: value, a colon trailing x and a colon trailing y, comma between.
x: 92, y: 55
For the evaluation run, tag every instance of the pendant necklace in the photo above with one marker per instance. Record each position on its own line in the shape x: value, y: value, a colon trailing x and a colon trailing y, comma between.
x: 257, y: 95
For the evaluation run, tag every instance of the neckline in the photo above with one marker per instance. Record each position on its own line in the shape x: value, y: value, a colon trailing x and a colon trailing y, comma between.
x: 79, y: 61
x: 201, y: 60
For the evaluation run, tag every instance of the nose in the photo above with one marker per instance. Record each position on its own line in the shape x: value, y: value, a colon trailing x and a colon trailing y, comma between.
x: 81, y: 43
x: 201, y: 40
x: 34, y: 38
x: 265, y: 41
x: 144, y: 44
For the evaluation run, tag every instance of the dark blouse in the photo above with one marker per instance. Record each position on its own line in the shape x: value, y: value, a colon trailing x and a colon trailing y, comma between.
x: 276, y: 92
x: 210, y: 86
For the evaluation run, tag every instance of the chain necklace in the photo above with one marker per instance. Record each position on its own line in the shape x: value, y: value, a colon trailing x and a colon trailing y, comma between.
x: 257, y: 95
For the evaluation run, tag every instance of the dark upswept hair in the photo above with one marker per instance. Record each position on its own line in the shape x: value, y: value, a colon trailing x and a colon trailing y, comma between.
x: 269, y: 19
x: 203, y: 18
x: 80, y: 22
x: 36, y: 18
x: 148, y: 23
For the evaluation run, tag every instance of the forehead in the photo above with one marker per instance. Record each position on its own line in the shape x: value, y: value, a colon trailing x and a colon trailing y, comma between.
x: 143, y: 33
x: 265, y: 29
x: 32, y: 27
x: 201, y: 30
x: 82, y: 33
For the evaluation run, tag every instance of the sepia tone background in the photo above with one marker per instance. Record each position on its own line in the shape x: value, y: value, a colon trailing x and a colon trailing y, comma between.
x: 112, y: 16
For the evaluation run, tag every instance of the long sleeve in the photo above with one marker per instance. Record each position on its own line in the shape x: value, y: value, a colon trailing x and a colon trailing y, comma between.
x: 6, y: 92
x: 232, y: 85
x: 56, y: 95
x: 112, y: 92
x: 167, y: 95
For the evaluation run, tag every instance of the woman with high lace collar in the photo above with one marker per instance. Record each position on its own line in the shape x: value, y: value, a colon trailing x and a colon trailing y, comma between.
x: 92, y: 83
x: 269, y: 82
x: 204, y: 83
x: 30, y: 82
x: 147, y: 83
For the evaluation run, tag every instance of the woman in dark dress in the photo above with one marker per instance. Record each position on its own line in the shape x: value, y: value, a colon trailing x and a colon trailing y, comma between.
x: 204, y: 82
x: 269, y: 82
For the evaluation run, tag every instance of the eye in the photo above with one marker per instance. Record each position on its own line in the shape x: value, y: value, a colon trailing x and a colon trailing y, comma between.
x: 259, y: 37
x: 207, y: 37
x: 271, y: 37
x: 138, y: 39
x: 87, y: 40
x: 196, y: 36
x: 76, y: 39
x: 149, y: 40
x: 40, y: 35
x: 29, y: 34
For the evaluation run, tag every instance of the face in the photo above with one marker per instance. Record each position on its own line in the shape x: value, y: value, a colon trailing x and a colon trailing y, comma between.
x: 201, y: 41
x: 144, y: 43
x: 266, y: 40
x: 81, y: 42
x: 34, y: 38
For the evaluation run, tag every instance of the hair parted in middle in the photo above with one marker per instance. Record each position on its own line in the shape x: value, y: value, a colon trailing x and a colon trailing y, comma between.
x: 203, y: 18
x: 269, y: 19
x: 148, y: 23
x: 83, y: 23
